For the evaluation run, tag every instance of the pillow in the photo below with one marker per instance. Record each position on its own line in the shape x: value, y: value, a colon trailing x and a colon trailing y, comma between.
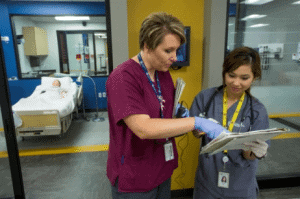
x: 65, y: 82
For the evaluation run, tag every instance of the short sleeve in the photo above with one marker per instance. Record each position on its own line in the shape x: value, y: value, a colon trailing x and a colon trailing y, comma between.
x: 124, y: 95
x: 197, y: 105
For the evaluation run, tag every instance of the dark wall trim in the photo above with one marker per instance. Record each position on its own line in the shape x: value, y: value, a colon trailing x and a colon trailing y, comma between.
x: 278, y: 181
x: 226, y: 28
x: 287, y: 123
x: 109, y: 36
x: 9, y: 129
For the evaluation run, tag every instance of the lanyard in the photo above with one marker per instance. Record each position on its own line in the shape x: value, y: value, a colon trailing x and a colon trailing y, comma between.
x: 157, y: 92
x: 236, y: 113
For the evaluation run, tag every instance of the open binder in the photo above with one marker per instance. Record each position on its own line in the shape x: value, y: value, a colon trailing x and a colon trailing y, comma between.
x: 231, y: 141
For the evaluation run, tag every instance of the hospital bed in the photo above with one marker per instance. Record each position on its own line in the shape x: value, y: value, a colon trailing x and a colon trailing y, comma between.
x: 45, y: 112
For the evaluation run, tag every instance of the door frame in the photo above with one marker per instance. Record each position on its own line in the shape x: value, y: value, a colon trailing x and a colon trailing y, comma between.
x: 9, y: 130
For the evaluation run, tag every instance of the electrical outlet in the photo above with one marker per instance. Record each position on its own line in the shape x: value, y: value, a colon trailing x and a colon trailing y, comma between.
x: 104, y: 94
x: 99, y: 95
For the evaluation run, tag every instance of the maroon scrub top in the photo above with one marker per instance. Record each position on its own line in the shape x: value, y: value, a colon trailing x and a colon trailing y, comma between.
x: 139, y: 164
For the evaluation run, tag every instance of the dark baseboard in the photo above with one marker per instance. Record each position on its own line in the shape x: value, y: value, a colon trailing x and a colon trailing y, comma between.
x: 182, y: 193
x: 279, y: 181
x: 94, y: 110
x: 263, y: 183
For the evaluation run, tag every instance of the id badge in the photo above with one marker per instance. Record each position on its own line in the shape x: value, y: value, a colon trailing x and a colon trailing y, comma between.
x: 223, y: 180
x: 169, y: 154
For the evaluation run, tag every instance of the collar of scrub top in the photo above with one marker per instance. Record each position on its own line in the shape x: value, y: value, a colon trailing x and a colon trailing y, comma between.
x: 157, y: 92
x: 243, y: 113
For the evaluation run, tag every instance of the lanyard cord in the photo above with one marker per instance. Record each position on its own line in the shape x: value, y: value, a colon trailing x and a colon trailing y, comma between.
x: 236, y: 113
x: 157, y: 92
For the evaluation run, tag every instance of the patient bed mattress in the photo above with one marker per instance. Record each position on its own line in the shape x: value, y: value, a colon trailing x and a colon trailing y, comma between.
x: 49, y: 98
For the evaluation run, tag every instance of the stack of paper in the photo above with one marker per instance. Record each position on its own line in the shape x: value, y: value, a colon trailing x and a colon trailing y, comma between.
x: 180, y: 84
x: 231, y: 141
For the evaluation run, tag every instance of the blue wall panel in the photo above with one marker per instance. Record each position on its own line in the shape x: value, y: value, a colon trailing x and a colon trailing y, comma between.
x: 232, y: 9
x: 8, y: 47
x: 22, y: 88
x: 25, y: 87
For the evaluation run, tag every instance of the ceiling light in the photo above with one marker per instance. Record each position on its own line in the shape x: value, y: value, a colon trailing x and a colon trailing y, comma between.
x: 100, y: 34
x: 254, y: 16
x: 296, y: 2
x: 259, y: 25
x: 72, y: 18
x: 256, y: 2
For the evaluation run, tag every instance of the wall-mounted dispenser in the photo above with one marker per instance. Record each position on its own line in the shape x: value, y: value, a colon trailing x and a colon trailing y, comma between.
x: 273, y: 51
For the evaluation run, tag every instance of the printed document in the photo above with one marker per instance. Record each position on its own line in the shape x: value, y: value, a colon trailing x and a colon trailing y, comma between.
x: 231, y: 141
x: 180, y: 84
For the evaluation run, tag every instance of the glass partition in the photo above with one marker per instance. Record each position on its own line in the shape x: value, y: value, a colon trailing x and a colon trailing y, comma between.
x: 86, y: 52
x: 46, y: 46
x: 272, y: 28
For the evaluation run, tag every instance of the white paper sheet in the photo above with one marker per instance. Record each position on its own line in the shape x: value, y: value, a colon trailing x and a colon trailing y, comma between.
x: 233, y: 141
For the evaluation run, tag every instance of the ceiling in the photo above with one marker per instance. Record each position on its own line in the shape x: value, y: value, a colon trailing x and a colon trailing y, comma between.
x: 281, y: 14
x: 63, y: 0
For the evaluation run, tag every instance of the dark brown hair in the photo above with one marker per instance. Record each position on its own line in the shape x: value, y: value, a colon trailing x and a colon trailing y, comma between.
x: 242, y: 56
x: 156, y: 26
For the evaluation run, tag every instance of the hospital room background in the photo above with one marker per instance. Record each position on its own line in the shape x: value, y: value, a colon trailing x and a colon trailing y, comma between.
x: 62, y: 153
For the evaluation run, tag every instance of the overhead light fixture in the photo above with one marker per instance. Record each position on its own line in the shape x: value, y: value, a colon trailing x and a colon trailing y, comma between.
x: 254, y: 16
x: 259, y: 25
x: 296, y: 2
x: 256, y: 2
x: 72, y: 18
x: 100, y: 34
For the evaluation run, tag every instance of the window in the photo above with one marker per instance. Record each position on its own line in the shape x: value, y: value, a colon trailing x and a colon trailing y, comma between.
x: 46, y: 46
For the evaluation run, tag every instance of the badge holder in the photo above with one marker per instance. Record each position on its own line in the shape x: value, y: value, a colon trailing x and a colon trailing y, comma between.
x: 169, y: 153
x: 223, y: 177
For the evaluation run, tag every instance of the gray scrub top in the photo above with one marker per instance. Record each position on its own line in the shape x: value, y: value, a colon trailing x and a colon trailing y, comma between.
x: 242, y: 172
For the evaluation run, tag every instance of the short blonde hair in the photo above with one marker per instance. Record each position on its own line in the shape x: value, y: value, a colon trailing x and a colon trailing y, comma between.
x: 156, y: 26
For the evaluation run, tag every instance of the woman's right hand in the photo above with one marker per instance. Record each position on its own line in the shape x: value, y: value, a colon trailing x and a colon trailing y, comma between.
x: 211, y: 128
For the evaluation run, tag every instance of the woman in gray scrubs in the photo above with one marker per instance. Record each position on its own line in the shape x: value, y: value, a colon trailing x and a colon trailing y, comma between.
x: 231, y: 174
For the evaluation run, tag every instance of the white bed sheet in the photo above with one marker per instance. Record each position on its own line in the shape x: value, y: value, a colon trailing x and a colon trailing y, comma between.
x: 49, y: 100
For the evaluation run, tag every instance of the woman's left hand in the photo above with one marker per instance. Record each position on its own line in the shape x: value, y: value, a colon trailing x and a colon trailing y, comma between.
x: 259, y: 148
x: 181, y: 111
